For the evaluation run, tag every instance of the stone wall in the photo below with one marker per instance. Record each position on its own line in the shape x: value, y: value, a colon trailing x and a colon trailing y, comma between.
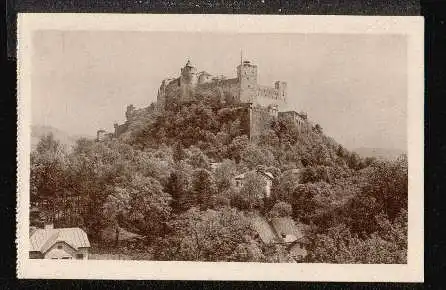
x: 300, y: 119
x: 261, y: 119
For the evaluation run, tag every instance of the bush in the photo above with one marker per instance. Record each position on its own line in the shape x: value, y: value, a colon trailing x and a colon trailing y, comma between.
x: 281, y: 209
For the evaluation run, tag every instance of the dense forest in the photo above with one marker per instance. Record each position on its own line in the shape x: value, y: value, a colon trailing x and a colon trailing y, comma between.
x: 157, y: 180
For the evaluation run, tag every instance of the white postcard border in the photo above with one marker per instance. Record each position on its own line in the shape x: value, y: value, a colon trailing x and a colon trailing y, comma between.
x: 412, y: 27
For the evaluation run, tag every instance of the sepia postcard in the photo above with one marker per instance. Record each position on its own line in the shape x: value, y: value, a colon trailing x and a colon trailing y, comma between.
x: 220, y: 147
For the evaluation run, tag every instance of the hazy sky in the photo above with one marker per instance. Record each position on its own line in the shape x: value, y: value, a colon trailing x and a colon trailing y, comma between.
x: 354, y: 86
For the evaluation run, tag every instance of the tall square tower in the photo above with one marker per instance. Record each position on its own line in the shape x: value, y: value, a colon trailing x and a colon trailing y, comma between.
x: 247, y: 76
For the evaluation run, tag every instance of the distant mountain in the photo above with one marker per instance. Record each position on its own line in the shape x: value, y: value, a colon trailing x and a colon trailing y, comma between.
x: 380, y: 153
x: 37, y: 132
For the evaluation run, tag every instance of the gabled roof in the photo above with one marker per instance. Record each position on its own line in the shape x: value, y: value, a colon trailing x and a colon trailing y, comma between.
x: 270, y: 231
x: 263, y: 228
x: 265, y: 174
x: 286, y: 226
x: 43, y: 239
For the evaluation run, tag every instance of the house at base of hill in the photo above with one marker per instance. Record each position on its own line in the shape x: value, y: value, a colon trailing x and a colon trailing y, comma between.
x: 284, y: 231
x: 59, y: 243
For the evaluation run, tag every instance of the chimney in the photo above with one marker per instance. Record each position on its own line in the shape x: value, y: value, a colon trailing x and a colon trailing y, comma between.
x: 49, y: 226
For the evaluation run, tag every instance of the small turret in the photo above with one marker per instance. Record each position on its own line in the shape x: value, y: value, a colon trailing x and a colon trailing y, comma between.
x: 281, y: 88
x: 100, y: 135
x: 129, y: 112
x: 189, y: 74
x: 188, y: 81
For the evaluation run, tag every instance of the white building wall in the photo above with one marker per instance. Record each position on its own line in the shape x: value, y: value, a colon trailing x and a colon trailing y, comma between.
x: 65, y: 251
x: 60, y: 250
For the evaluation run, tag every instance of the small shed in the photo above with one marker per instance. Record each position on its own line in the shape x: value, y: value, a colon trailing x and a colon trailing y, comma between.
x: 59, y: 243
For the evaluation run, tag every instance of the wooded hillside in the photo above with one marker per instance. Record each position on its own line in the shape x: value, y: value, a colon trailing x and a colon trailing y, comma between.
x: 156, y: 180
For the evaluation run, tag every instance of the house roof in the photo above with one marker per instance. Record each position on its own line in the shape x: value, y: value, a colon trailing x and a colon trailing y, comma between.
x: 43, y: 239
x: 263, y: 228
x: 286, y: 226
x: 272, y: 230
x: 266, y: 174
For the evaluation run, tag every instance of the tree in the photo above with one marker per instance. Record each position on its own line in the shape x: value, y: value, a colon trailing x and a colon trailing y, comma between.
x: 253, y: 190
x: 237, y: 146
x: 281, y: 209
x: 177, y: 187
x: 317, y: 129
x: 354, y: 161
x: 338, y: 245
x: 149, y: 205
x: 248, y: 251
x: 276, y: 253
x: 224, y: 174
x: 115, y: 207
x: 305, y: 200
x: 269, y: 138
x: 205, y: 236
x: 178, y: 152
x: 197, y: 159
x: 388, y: 183
x: 48, y: 180
x: 203, y: 188
x: 253, y: 156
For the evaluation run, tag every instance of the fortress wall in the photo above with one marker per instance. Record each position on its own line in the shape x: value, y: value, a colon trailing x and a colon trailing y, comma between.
x: 268, y: 96
x: 267, y: 92
x: 243, y: 114
x: 172, y: 92
x: 302, y: 124
x: 260, y: 121
x: 204, y: 79
x: 119, y: 129
x: 227, y: 90
x: 231, y: 88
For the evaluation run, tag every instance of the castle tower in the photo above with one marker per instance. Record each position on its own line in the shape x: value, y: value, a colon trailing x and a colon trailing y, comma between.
x: 129, y: 112
x: 161, y: 97
x: 188, y: 81
x: 247, y: 77
x: 281, y: 88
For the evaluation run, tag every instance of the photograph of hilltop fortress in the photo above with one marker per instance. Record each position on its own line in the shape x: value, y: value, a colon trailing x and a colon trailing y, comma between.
x: 258, y: 104
x: 145, y: 148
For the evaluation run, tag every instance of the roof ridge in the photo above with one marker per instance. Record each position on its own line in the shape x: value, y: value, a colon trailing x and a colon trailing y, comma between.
x: 50, y: 241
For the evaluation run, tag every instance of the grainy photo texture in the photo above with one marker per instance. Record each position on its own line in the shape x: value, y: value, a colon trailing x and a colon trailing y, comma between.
x: 218, y: 146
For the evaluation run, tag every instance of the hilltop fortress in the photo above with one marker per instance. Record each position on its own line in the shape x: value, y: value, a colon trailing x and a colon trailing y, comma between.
x: 242, y: 89
x: 257, y: 104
